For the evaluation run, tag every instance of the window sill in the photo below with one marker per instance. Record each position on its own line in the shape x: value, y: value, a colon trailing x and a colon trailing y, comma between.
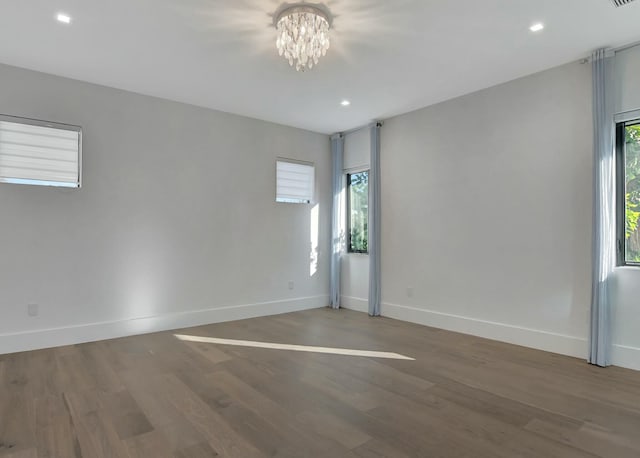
x: 629, y: 267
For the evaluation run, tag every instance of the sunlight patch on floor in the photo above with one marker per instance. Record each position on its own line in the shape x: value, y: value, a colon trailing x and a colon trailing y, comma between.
x: 304, y: 348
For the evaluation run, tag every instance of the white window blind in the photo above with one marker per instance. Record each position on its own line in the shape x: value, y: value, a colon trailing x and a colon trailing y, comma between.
x: 294, y: 182
x: 39, y: 153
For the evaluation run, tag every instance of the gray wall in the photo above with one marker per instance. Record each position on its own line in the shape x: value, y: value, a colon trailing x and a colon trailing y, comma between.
x: 487, y: 212
x: 177, y: 214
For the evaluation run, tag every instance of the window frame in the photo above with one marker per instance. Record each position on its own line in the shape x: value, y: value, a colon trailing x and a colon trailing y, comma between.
x: 620, y: 190
x: 53, y: 125
x: 348, y: 213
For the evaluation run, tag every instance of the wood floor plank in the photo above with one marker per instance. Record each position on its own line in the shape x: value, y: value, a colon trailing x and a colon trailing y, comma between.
x: 96, y: 434
x: 15, y: 373
x: 202, y: 450
x: 270, y: 411
x: 225, y: 440
x: 332, y: 426
x: 105, y: 376
x: 375, y: 449
x: 588, y: 438
x: 17, y: 423
x: 165, y: 418
x: 26, y: 453
x: 124, y: 412
x: 151, y: 444
x: 58, y: 439
x: 158, y: 396
x: 56, y: 436
x: 213, y: 354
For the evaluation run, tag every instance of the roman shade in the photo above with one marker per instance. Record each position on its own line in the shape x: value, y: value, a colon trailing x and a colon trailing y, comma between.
x: 294, y: 182
x: 39, y: 153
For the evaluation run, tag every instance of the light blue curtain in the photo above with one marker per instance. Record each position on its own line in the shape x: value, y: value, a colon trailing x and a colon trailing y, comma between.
x: 604, y: 255
x: 374, y: 222
x: 337, y: 154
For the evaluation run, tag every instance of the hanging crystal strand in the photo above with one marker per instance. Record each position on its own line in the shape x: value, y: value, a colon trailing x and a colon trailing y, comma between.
x: 303, y: 37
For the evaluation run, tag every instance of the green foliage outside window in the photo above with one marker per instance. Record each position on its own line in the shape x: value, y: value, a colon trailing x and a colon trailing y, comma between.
x: 632, y: 192
x: 358, y: 212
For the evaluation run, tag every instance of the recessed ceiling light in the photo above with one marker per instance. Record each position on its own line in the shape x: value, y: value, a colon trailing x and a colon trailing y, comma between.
x: 537, y: 27
x: 345, y: 103
x: 64, y: 18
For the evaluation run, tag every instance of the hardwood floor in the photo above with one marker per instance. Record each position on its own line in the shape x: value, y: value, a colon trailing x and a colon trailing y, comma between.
x: 157, y: 396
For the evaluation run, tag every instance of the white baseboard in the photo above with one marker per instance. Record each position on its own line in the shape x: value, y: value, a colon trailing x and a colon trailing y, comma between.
x: 354, y: 303
x: 533, y: 338
x: 69, y: 335
x: 621, y: 355
x: 624, y: 356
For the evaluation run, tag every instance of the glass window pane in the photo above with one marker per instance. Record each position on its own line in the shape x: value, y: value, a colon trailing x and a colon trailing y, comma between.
x: 358, y: 212
x: 632, y: 193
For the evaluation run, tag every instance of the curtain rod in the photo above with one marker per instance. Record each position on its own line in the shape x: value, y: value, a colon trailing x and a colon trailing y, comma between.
x: 587, y: 60
x: 356, y: 129
x: 627, y: 46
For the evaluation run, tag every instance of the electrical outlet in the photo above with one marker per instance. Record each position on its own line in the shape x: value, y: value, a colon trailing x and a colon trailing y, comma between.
x: 33, y: 310
x: 290, y: 285
x: 409, y: 291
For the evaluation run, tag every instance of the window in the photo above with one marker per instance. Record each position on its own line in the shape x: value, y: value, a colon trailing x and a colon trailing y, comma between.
x: 628, y: 192
x: 358, y: 211
x: 294, y: 182
x: 39, y: 152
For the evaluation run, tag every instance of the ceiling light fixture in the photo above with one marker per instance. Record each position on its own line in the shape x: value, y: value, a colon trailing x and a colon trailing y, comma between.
x: 303, y: 35
x: 64, y: 18
x: 537, y: 27
x: 619, y: 3
x: 345, y: 103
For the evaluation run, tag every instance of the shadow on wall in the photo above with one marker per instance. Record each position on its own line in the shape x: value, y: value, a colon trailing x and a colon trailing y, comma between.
x: 249, y: 23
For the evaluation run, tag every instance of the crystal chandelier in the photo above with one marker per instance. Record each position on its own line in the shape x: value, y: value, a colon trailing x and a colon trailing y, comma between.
x: 303, y: 35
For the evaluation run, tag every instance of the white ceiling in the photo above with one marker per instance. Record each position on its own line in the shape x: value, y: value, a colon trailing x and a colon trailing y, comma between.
x: 387, y: 56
